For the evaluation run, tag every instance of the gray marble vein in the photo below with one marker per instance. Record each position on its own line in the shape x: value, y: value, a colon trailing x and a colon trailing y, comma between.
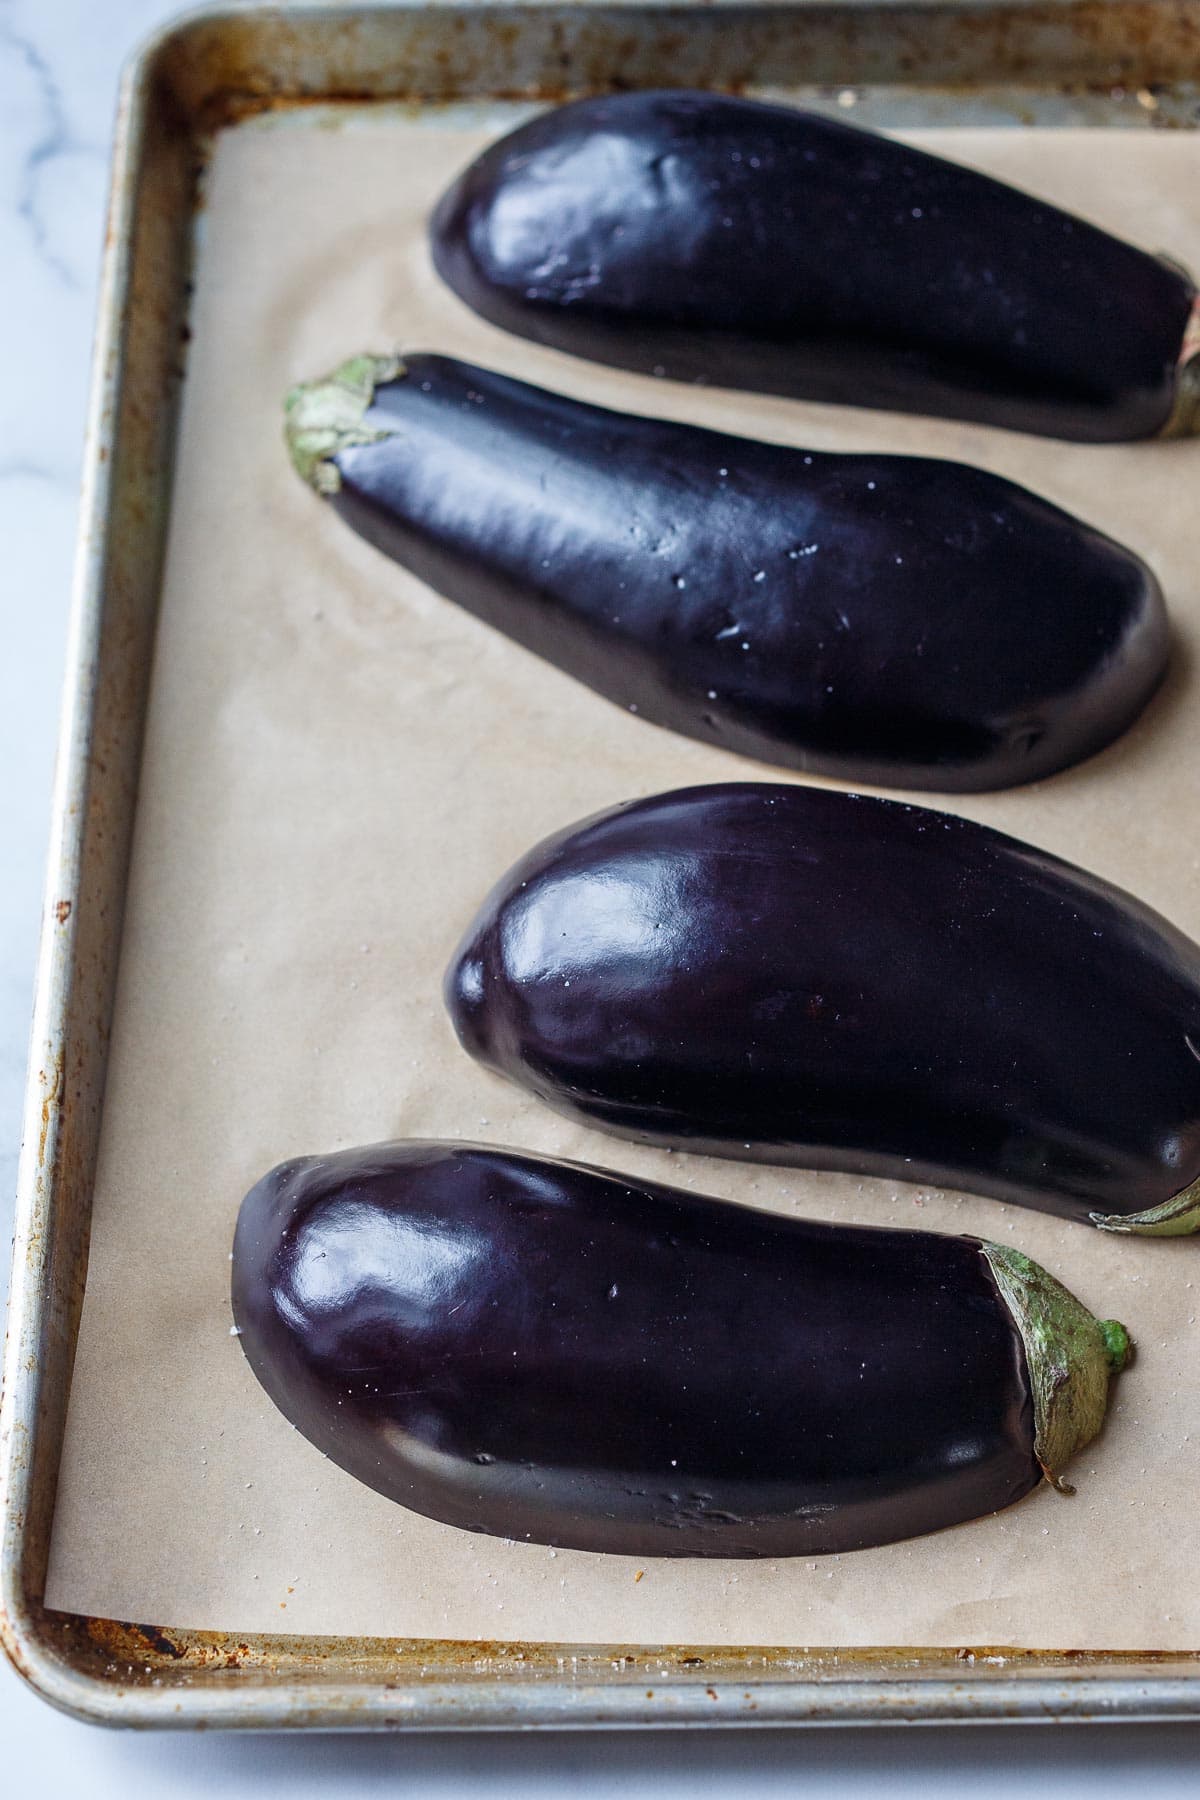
x: 52, y: 140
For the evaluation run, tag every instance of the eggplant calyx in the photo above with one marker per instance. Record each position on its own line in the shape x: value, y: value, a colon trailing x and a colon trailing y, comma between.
x: 1177, y: 1217
x: 1070, y: 1356
x: 1184, y: 420
x: 328, y: 416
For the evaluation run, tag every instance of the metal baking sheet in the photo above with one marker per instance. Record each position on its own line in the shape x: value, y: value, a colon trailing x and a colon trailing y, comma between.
x: 1017, y: 65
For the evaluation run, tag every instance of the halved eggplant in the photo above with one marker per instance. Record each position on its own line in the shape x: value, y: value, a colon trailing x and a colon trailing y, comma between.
x: 751, y: 246
x: 795, y: 975
x: 550, y: 1352
x: 880, y: 618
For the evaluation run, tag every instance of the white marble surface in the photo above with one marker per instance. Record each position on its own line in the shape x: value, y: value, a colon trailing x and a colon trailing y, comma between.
x: 58, y: 67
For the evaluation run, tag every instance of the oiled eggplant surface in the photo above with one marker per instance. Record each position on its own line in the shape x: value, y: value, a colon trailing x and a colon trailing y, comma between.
x: 887, y: 619
x: 721, y: 240
x: 804, y: 976
x: 545, y: 1351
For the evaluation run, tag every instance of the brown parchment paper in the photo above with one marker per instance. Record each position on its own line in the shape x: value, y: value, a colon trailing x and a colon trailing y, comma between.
x: 338, y: 764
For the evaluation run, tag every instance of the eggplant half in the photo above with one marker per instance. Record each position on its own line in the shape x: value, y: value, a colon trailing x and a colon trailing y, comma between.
x: 550, y: 1352
x: 884, y: 619
x: 752, y: 246
x: 797, y: 975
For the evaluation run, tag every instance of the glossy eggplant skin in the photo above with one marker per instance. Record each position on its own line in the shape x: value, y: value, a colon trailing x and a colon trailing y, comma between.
x: 754, y: 246
x: 883, y: 619
x: 540, y: 1350
x: 796, y: 975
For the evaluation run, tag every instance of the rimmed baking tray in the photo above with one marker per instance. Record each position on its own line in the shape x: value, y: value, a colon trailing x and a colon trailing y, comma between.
x: 1107, y: 63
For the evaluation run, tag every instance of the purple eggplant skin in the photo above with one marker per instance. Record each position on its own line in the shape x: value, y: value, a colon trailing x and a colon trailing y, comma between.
x: 883, y: 619
x: 797, y: 975
x: 545, y: 1351
x: 753, y: 246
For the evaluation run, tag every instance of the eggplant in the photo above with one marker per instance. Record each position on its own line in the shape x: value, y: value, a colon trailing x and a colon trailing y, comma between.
x: 797, y: 975
x: 884, y: 619
x: 751, y: 246
x: 546, y: 1351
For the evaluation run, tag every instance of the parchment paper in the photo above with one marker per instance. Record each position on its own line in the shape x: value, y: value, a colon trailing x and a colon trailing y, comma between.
x: 338, y: 764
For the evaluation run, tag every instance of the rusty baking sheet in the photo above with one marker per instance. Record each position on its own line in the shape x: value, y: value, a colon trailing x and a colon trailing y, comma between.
x: 1106, y: 62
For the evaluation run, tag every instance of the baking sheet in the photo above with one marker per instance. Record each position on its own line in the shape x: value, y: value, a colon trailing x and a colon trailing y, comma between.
x: 338, y: 763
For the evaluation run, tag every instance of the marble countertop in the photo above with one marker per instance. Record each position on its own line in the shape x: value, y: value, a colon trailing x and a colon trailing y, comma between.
x: 59, y: 61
